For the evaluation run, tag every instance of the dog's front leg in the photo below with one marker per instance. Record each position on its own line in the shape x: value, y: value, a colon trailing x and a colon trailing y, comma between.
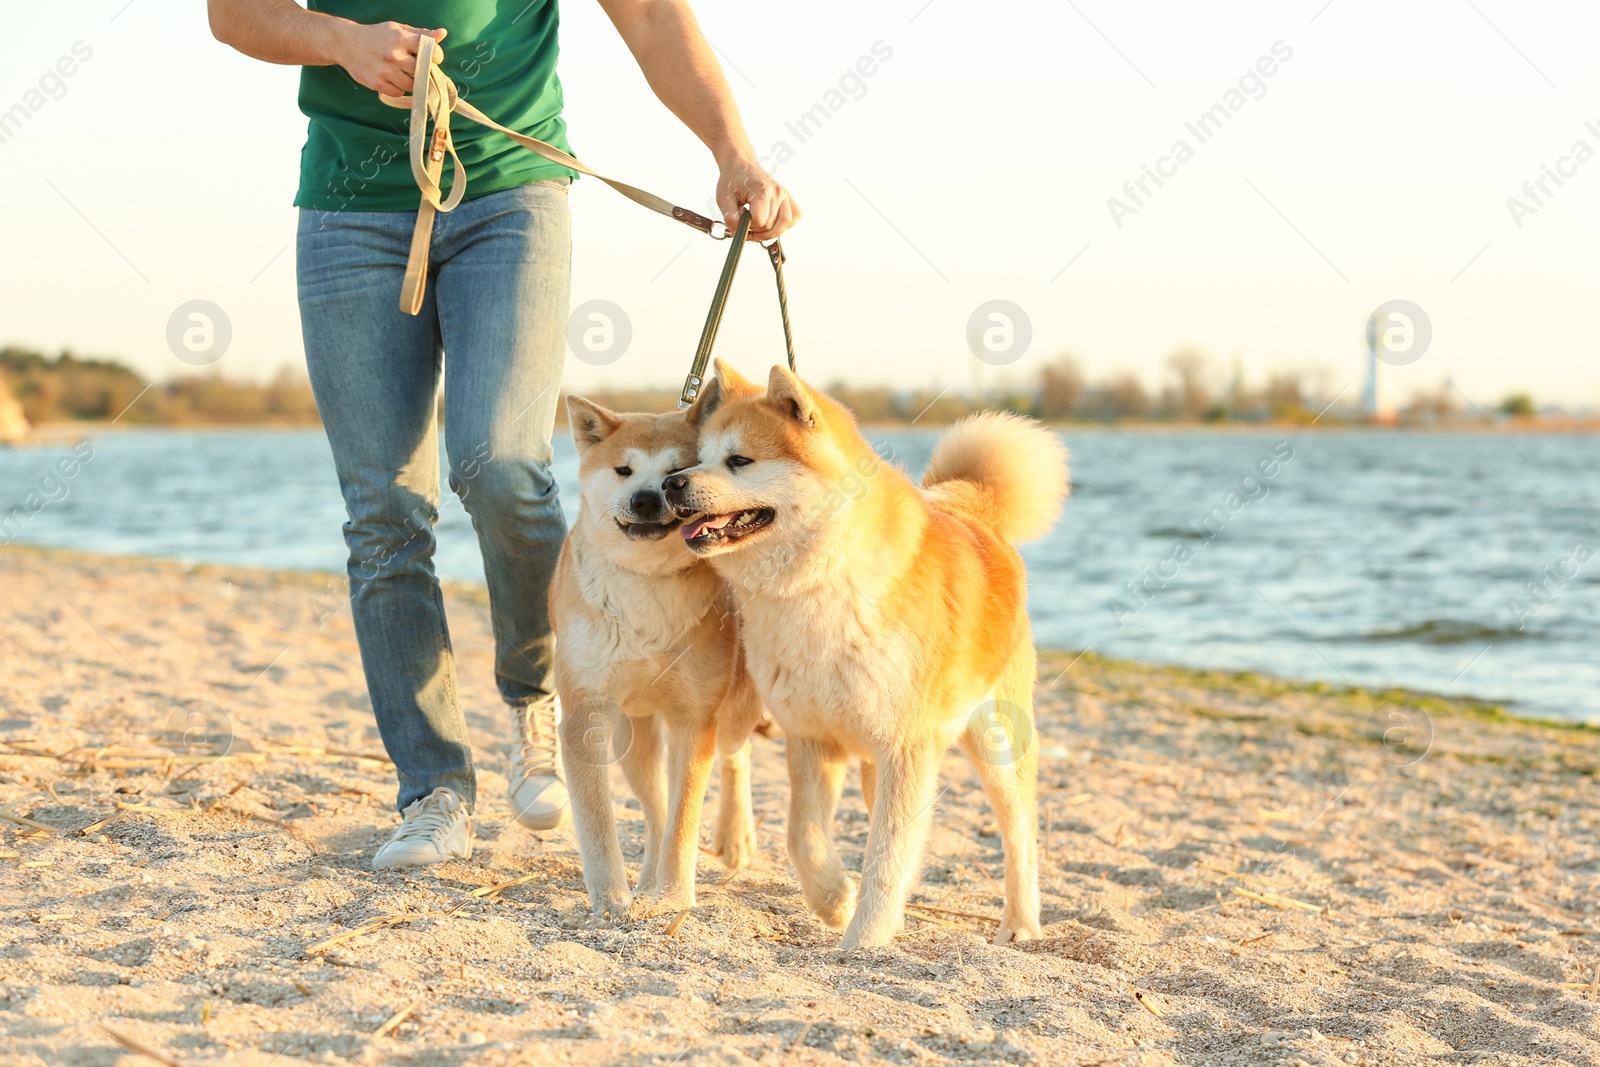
x: 816, y: 778
x: 904, y: 782
x: 587, y: 730
x: 691, y: 749
x: 735, y: 835
x: 641, y: 766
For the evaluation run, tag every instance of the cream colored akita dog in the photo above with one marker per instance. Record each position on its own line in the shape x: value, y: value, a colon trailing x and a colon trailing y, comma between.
x: 879, y: 619
x: 647, y: 644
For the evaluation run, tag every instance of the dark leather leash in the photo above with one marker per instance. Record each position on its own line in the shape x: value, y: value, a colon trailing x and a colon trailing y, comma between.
x: 434, y: 97
x: 719, y: 301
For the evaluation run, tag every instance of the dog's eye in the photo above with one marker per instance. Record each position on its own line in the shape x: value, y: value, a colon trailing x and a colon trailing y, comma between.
x: 626, y: 472
x: 735, y: 462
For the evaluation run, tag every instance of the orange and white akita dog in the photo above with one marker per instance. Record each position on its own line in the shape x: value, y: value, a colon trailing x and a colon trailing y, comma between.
x: 880, y: 619
x: 647, y: 643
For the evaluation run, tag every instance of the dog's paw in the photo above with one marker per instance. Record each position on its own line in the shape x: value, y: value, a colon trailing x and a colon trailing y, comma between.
x: 868, y: 934
x: 609, y: 911
x: 667, y: 902
x: 735, y: 845
x: 649, y: 876
x: 606, y: 918
x: 838, y: 907
x: 1013, y: 929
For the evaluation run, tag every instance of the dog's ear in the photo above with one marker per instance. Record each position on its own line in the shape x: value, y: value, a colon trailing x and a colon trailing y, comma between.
x: 734, y: 383
x: 591, y: 423
x: 727, y: 385
x: 709, y: 400
x: 793, y: 397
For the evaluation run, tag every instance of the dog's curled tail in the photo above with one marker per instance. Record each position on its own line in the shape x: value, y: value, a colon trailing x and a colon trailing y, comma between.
x: 1017, y: 467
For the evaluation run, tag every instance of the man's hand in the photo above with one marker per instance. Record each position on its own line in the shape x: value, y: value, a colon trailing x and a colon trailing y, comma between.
x: 772, y: 208
x: 383, y: 56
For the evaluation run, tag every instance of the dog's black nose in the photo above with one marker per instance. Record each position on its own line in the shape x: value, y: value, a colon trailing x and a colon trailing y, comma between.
x: 676, y: 484
x: 645, y: 502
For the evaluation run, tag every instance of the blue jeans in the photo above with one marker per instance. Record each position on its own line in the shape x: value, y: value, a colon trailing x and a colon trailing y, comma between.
x: 494, y: 325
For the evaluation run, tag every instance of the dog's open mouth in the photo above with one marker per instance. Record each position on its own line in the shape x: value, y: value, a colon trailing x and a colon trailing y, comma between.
x: 648, y: 531
x: 709, y: 530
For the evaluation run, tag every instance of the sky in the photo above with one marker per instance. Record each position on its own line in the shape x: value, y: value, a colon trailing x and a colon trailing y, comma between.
x: 978, y: 163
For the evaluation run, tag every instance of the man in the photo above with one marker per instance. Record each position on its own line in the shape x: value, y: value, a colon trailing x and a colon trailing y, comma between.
x: 493, y: 323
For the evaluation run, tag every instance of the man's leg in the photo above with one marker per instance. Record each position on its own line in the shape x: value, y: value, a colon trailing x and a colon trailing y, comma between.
x: 375, y: 373
x: 503, y: 287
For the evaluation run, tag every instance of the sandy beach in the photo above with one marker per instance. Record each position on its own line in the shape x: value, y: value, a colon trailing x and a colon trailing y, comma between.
x: 1236, y: 870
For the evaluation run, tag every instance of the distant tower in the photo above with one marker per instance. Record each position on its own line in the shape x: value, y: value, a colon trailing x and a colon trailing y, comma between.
x: 1369, y: 395
x: 1377, y: 399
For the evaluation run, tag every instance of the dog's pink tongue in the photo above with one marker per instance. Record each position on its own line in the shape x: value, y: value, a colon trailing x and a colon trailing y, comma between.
x: 694, y: 529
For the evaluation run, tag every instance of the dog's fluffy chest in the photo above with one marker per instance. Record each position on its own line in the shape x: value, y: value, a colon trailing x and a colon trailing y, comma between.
x: 634, y: 623
x: 824, y: 669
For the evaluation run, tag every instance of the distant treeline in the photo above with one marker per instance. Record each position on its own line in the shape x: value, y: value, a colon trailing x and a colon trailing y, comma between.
x: 1193, y: 389
x: 1059, y: 392
x: 66, y: 388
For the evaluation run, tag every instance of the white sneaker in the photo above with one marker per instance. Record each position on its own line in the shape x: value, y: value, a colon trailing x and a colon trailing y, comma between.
x: 436, y: 828
x: 538, y: 795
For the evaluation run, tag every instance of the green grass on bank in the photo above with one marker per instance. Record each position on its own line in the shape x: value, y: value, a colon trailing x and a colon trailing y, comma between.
x: 1094, y: 667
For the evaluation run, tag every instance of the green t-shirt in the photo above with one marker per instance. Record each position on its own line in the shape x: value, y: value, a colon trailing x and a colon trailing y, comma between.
x: 502, y: 57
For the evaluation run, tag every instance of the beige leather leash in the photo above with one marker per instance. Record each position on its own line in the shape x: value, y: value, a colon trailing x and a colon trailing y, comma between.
x: 434, y: 97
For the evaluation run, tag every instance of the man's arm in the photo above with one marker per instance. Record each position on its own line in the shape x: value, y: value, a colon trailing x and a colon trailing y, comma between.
x: 382, y: 57
x: 666, y: 41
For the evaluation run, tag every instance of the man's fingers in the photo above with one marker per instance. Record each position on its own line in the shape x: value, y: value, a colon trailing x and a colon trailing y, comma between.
x: 399, y: 76
x: 772, y: 210
x: 761, y: 208
x: 423, y: 31
x: 787, y: 214
x: 414, y: 41
x: 730, y: 205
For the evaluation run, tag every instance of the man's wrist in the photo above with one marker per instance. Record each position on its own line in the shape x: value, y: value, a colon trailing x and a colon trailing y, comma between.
x: 328, y: 35
x: 733, y: 156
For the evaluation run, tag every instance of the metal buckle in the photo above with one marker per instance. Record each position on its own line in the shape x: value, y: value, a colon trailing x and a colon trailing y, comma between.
x: 691, y: 391
x: 701, y: 223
